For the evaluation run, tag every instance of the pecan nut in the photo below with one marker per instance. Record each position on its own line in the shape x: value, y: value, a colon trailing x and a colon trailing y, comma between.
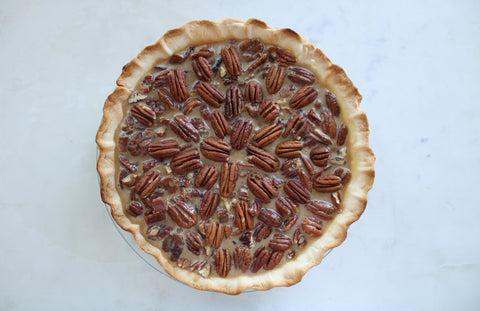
x: 289, y: 149
x: 234, y: 102
x: 223, y: 262
x: 210, y: 94
x: 289, y: 222
x: 253, y: 92
x: 297, y: 125
x: 312, y: 226
x: 240, y: 133
x: 144, y: 114
x: 260, y: 258
x: 303, y: 97
x: 267, y: 135
x: 243, y: 219
x: 209, y: 204
x: 148, y: 183
x: 320, y: 137
x: 262, y: 231
x: 327, y: 183
x: 344, y: 173
x: 132, y: 167
x: 220, y: 125
x: 184, y: 128
x: 186, y: 161
x: 342, y: 134
x: 135, y: 208
x: 274, y: 79
x: 280, y: 242
x: 285, y: 206
x: 215, y: 149
x: 164, y: 149
x: 165, y: 97
x: 214, y: 234
x: 324, y: 209
x: 194, y: 242
x: 182, y: 213
x: 262, y: 58
x: 297, y: 191
x: 332, y: 103
x: 319, y: 156
x: 242, y: 258
x: 231, y: 59
x: 270, y: 217
x: 228, y: 179
x: 202, y: 68
x: 206, y: 177
x: 261, y: 187
x: 178, y: 84
x: 301, y: 75
x: 262, y: 159
x: 329, y: 126
x: 282, y: 57
x: 274, y: 260
x: 173, y: 244
x: 269, y: 110
x: 191, y: 104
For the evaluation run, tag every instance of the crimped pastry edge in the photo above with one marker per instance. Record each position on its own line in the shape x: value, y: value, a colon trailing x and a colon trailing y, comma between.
x: 332, y: 76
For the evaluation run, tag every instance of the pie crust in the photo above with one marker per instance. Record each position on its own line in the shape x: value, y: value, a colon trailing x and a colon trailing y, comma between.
x: 361, y: 157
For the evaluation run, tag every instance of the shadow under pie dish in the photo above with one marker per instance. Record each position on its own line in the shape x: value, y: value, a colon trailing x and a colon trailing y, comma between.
x: 235, y: 153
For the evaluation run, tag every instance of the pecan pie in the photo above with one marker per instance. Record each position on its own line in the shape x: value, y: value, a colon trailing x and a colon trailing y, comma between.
x: 235, y: 153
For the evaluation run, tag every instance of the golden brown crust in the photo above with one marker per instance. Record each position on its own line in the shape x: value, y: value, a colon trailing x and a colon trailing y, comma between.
x: 332, y: 76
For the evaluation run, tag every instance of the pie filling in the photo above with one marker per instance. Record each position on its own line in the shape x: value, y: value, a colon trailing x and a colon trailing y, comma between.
x: 231, y: 157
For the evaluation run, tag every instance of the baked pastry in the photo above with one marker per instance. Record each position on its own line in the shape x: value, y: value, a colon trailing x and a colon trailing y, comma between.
x: 235, y: 153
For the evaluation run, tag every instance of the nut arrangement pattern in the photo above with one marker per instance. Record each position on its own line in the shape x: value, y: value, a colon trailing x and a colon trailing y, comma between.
x: 232, y: 157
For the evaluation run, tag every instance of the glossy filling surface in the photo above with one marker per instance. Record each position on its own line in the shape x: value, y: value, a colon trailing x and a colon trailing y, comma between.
x: 231, y: 158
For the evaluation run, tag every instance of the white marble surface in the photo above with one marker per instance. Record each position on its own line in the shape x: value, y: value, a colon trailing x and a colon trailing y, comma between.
x: 416, y: 247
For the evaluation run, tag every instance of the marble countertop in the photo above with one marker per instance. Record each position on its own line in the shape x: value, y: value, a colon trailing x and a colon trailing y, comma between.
x: 417, y: 65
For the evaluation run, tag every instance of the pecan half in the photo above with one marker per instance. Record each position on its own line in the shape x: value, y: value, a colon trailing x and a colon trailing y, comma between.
x: 319, y: 156
x: 209, y: 204
x: 234, y: 102
x: 228, y: 179
x: 329, y: 126
x: 173, y: 244
x: 297, y: 191
x: 202, y: 68
x: 301, y: 75
x: 260, y: 258
x: 285, y: 206
x: 194, y: 242
x: 210, y: 94
x: 312, y: 226
x: 332, y: 103
x: 215, y: 149
x: 262, y: 159
x: 297, y: 125
x: 267, y: 135
x: 191, y: 104
x: 206, y: 177
x: 269, y: 110
x: 178, y: 84
x: 223, y: 262
x: 327, y: 183
x: 242, y: 258
x: 274, y: 79
x: 262, y: 58
x: 305, y: 179
x: 186, y: 161
x: 165, y: 97
x: 321, y: 208
x: 231, y: 59
x: 148, y: 183
x: 280, y: 242
x: 253, y: 92
x: 184, y: 128
x: 206, y: 52
x: 164, y: 149
x: 132, y: 167
x: 214, y: 234
x: 135, y: 208
x: 262, y: 231
x: 261, y: 187
x: 243, y: 219
x: 320, y: 137
x: 289, y: 149
x: 344, y: 173
x: 274, y: 260
x: 240, y: 133
x: 144, y: 114
x: 282, y: 57
x: 303, y: 97
x: 289, y: 222
x: 220, y: 125
x: 182, y: 213
x: 342, y: 134
x: 270, y: 217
